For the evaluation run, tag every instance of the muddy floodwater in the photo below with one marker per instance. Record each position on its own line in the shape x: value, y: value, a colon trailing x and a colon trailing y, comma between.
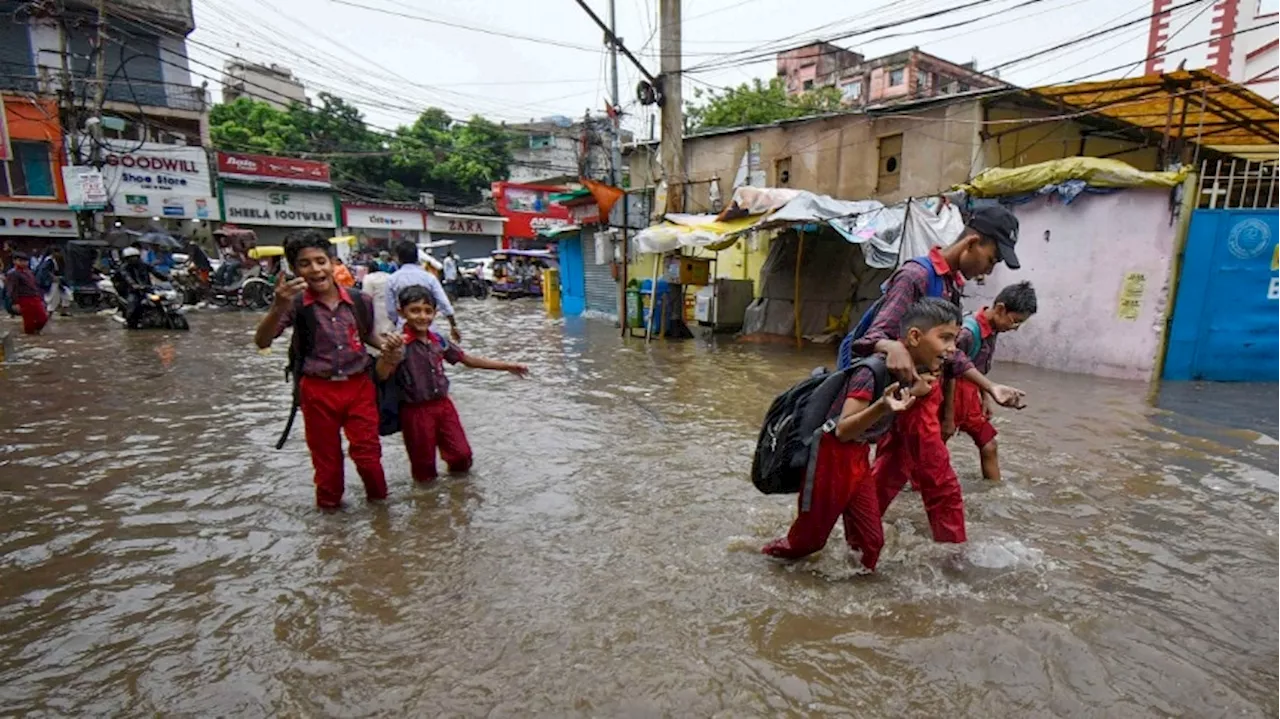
x: 159, y: 558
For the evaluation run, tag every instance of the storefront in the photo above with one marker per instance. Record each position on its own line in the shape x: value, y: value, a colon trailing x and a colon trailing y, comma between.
x: 586, y: 250
x: 272, y: 213
x: 528, y: 210
x: 380, y: 227
x: 471, y: 235
x: 32, y: 228
x: 274, y: 196
x: 153, y: 185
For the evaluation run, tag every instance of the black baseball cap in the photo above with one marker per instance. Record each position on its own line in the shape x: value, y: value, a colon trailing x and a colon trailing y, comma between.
x: 997, y: 223
x: 20, y: 255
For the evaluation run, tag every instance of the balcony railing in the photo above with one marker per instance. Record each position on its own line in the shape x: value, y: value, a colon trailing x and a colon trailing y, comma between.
x: 173, y: 96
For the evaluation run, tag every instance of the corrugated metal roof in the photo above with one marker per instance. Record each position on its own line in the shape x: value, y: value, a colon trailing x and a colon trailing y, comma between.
x: 1198, y: 105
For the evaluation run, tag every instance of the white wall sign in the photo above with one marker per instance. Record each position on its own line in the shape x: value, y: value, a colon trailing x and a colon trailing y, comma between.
x: 380, y: 219
x: 158, y: 180
x: 86, y: 187
x: 464, y: 224
x: 280, y: 208
x: 36, y: 222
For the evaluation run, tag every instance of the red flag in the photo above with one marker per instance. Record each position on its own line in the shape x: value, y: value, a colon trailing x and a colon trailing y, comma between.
x: 606, y: 196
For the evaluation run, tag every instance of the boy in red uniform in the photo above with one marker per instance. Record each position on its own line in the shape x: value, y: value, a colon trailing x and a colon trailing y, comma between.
x: 913, y: 449
x: 428, y: 419
x: 965, y: 407
x: 842, y: 477
x: 332, y: 327
x: 27, y: 296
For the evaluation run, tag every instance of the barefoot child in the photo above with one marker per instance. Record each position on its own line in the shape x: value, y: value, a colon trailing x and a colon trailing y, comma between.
x: 330, y: 365
x: 965, y: 407
x: 843, y: 485
x: 428, y: 419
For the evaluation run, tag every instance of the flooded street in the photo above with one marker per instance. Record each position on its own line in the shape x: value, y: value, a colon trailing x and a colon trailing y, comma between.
x: 159, y: 557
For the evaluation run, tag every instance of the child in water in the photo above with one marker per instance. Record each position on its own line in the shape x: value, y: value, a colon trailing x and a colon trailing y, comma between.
x: 428, y: 419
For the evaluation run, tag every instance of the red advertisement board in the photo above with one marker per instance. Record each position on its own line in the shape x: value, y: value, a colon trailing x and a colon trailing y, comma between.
x: 528, y: 208
x: 265, y: 168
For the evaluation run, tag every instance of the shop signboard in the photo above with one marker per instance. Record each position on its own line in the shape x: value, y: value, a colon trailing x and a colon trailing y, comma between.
x: 446, y: 223
x: 86, y: 187
x: 367, y: 217
x: 279, y: 170
x: 36, y: 222
x: 279, y: 208
x: 157, y: 180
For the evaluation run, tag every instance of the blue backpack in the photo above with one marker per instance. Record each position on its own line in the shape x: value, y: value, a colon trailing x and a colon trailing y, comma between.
x: 937, y: 288
x: 971, y: 324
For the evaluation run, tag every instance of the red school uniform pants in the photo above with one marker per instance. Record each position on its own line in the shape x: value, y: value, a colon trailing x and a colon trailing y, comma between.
x: 913, y: 451
x: 968, y: 413
x: 34, y: 314
x: 331, y: 408
x: 430, y: 426
x: 842, y: 488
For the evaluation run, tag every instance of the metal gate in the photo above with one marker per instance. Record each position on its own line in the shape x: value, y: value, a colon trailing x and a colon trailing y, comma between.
x: 602, y: 290
x: 572, y: 287
x: 1225, y: 323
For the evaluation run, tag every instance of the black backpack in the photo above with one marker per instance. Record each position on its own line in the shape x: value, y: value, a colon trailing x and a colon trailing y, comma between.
x: 304, y: 337
x: 787, y: 450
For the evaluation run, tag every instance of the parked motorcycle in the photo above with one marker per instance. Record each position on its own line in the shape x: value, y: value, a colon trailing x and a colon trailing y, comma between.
x: 469, y: 285
x: 100, y: 294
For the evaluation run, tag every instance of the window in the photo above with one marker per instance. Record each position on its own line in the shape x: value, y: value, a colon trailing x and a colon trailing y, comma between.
x: 890, y: 170
x: 852, y: 92
x: 29, y: 173
x: 782, y: 171
x: 541, y: 142
x: 897, y: 77
x: 808, y: 85
x: 964, y: 87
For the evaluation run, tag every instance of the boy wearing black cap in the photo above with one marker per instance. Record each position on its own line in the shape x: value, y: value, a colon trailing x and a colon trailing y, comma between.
x: 913, y: 450
x: 26, y: 294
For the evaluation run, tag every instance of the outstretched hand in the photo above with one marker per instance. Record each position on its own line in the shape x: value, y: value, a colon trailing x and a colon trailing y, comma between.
x: 1007, y: 396
x: 518, y: 370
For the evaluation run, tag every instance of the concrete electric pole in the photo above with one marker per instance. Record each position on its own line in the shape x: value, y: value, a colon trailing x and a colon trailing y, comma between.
x: 615, y: 112
x: 672, y: 105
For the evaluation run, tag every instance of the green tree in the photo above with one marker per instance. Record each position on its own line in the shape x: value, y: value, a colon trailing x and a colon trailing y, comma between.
x: 756, y: 103
x: 435, y: 153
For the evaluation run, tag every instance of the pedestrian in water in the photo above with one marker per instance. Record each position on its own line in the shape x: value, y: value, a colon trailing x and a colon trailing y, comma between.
x: 410, y: 274
x: 341, y: 274
x: 21, y: 284
x: 415, y: 362
x: 913, y: 450
x: 964, y: 407
x: 842, y: 483
x: 331, y: 329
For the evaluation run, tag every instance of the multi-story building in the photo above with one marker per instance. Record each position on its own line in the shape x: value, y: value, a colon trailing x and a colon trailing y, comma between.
x: 558, y: 149
x: 1234, y: 41
x: 62, y: 57
x: 907, y: 75
x: 273, y: 84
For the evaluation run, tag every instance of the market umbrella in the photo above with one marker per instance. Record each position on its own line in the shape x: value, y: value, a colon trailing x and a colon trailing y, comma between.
x: 161, y: 240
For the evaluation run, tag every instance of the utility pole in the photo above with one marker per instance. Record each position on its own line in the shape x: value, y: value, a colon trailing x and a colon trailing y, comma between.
x: 99, y: 99
x: 615, y: 112
x: 672, y: 105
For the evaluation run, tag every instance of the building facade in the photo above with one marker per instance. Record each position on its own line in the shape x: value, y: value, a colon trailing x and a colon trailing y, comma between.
x: 273, y: 84
x: 1241, y: 42
x: 275, y: 195
x: 528, y: 209
x: 558, y: 149
x: 910, y: 74
x: 33, y: 200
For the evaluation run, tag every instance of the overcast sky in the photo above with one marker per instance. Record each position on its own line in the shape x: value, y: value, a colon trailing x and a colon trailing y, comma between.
x: 392, y: 67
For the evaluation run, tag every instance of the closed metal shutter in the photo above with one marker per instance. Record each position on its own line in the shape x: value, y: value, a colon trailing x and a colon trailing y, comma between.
x: 602, y: 290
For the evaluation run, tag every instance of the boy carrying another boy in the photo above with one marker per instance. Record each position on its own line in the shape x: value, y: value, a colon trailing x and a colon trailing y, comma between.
x: 428, y: 419
x: 330, y: 365
x: 843, y: 485
x: 964, y: 407
x: 913, y: 449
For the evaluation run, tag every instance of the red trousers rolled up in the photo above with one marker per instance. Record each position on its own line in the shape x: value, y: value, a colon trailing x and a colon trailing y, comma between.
x: 34, y: 314
x: 969, y: 416
x: 431, y: 426
x: 329, y: 409
x: 913, y: 451
x: 842, y: 489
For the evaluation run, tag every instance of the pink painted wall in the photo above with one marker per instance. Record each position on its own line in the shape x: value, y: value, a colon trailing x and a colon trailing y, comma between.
x: 1078, y: 275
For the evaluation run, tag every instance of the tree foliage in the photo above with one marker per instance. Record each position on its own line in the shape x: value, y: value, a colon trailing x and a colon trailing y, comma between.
x: 756, y: 103
x: 435, y: 153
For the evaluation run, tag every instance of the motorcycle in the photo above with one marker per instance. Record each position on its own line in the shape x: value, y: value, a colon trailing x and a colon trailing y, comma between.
x: 161, y: 309
x: 99, y: 295
x: 471, y: 285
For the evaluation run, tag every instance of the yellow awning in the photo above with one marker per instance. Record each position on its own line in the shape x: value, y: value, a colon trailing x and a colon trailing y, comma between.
x: 1198, y: 105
